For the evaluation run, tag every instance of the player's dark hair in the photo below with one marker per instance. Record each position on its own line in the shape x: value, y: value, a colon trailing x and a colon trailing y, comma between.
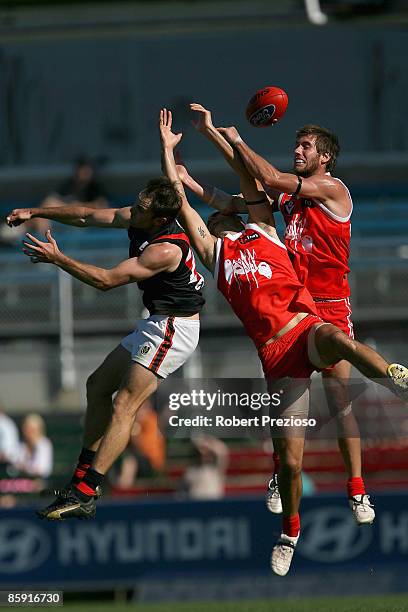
x: 217, y: 214
x: 326, y: 142
x: 213, y: 216
x: 165, y: 198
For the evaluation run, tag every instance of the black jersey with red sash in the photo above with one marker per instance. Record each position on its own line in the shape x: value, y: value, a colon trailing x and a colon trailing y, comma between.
x: 169, y: 293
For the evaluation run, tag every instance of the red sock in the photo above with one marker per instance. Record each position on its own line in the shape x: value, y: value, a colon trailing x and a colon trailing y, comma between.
x: 276, y: 461
x: 355, y: 486
x: 84, y: 463
x: 80, y: 472
x: 291, y: 525
x: 85, y: 489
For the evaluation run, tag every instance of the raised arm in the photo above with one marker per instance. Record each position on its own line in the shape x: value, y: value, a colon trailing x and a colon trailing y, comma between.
x: 163, y: 257
x: 258, y: 204
x: 78, y: 216
x: 255, y: 201
x: 210, y: 195
x: 205, y: 126
x: 201, y: 239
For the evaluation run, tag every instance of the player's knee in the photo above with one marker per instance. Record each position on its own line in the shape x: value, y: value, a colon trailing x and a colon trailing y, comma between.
x: 345, y: 345
x: 125, y: 406
x: 334, y: 344
x: 291, y: 466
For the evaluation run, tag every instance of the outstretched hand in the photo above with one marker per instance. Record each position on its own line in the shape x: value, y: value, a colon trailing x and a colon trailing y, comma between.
x: 168, y: 138
x: 204, y: 119
x: 230, y: 134
x: 41, y: 252
x: 18, y: 216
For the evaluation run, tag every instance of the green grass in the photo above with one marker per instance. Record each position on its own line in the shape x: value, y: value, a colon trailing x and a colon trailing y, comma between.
x: 381, y: 603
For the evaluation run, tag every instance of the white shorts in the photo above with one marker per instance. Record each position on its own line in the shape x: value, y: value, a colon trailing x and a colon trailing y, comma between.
x: 163, y: 343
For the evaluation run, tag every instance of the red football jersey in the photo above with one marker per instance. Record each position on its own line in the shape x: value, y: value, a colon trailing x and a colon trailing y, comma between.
x: 254, y: 273
x: 319, y: 245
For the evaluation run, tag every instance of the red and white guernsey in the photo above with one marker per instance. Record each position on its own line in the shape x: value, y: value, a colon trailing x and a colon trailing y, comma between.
x: 319, y: 245
x: 254, y: 273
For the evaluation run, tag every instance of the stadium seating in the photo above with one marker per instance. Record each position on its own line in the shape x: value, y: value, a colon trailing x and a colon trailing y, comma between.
x: 371, y: 217
x: 385, y: 463
x: 249, y: 470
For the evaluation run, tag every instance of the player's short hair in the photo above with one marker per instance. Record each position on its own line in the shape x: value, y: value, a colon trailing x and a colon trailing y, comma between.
x: 326, y: 142
x: 211, y: 218
x: 233, y: 219
x: 164, y: 196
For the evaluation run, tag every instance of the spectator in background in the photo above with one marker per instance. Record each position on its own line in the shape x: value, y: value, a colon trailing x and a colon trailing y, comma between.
x: 82, y: 188
x: 35, y: 456
x: 146, y: 453
x: 9, y: 442
x: 205, y: 478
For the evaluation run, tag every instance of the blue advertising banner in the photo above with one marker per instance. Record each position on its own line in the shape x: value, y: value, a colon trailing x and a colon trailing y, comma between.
x: 138, y: 541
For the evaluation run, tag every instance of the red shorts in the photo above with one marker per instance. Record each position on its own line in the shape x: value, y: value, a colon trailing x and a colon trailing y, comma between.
x: 288, y: 355
x: 337, y: 312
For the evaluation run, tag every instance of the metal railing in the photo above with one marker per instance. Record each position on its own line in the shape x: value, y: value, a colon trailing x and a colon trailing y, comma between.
x: 31, y: 299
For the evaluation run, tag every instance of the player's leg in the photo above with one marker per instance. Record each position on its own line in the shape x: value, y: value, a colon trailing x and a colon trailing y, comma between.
x: 335, y: 384
x: 289, y: 444
x: 162, y: 345
x: 290, y: 486
x: 329, y: 345
x: 101, y: 385
x: 79, y: 501
x: 285, y: 357
x: 289, y: 477
x: 159, y: 346
x: 138, y: 385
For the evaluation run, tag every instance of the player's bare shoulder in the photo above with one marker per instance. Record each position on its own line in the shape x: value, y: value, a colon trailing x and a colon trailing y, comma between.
x: 344, y: 203
x: 335, y: 196
x: 162, y: 255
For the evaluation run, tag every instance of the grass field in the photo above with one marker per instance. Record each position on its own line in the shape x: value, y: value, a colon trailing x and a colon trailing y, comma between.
x: 380, y: 603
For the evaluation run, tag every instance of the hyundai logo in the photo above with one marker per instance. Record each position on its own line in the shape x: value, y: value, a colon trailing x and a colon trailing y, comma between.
x: 330, y: 535
x: 23, y: 546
